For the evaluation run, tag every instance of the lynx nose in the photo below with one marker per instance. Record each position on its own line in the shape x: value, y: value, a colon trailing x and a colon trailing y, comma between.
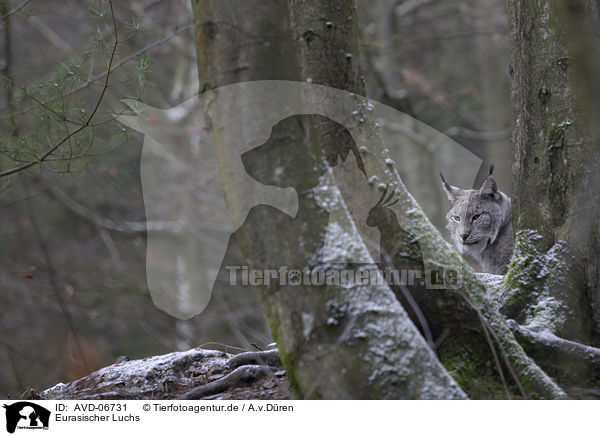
x: 465, y: 236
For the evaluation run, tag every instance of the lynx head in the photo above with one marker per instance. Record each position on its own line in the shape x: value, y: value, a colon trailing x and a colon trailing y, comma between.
x: 476, y: 216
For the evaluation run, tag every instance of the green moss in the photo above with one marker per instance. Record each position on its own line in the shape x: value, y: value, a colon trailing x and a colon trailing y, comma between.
x: 539, y: 286
x: 468, y: 362
x: 286, y: 360
x: 520, y: 281
x: 557, y: 131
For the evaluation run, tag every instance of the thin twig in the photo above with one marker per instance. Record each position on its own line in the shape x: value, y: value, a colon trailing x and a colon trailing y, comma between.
x: 14, y: 10
x: 48, y: 32
x: 52, y: 149
x: 401, y: 39
x: 54, y: 285
x: 124, y: 227
x: 490, y: 331
x: 134, y: 55
x: 123, y: 61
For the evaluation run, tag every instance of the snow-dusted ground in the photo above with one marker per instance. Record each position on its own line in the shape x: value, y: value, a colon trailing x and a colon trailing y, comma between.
x: 178, y: 371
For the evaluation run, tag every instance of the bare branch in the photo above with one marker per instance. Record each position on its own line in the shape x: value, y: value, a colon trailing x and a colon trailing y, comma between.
x: 106, y: 223
x: 409, y: 7
x: 480, y: 135
x: 54, y: 285
x: 14, y: 10
x: 49, y: 33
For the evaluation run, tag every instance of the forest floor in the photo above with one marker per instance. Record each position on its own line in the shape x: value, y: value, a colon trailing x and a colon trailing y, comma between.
x: 194, y: 374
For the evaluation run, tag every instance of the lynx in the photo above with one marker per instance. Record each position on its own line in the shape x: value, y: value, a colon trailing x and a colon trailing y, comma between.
x: 480, y: 224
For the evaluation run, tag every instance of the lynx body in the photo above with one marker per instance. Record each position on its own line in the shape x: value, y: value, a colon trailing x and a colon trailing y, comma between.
x: 480, y: 224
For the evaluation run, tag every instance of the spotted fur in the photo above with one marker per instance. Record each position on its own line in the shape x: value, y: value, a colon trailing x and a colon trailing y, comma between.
x: 480, y: 224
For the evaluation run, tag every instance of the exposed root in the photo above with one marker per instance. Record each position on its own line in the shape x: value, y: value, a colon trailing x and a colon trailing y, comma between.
x: 243, y: 375
x: 570, y: 362
x: 267, y: 358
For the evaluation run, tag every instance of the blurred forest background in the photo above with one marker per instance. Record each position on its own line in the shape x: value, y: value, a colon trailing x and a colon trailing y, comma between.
x: 72, y: 239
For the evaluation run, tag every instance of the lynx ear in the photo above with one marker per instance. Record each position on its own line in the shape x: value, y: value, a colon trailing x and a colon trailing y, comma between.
x: 451, y: 191
x: 489, y: 189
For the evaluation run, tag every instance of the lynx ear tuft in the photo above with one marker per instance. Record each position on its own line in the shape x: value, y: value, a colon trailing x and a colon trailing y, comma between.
x: 489, y: 188
x: 451, y: 191
x: 491, y: 169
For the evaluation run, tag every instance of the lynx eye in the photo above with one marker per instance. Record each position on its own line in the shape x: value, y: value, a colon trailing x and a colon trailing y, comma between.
x: 476, y: 216
x: 456, y: 218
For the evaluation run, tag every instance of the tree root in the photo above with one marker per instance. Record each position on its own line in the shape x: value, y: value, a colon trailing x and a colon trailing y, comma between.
x: 266, y: 358
x: 571, y: 363
x: 243, y: 375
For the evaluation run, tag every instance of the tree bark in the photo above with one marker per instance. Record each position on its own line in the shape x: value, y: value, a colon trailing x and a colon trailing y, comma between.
x: 242, y: 41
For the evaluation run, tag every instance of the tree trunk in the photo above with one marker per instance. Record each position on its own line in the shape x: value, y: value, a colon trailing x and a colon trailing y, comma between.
x: 553, y: 281
x: 241, y: 41
x: 555, y: 202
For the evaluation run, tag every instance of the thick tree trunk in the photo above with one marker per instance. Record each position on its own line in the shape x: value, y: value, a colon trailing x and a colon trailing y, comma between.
x: 552, y: 287
x: 584, y: 43
x: 238, y: 41
x: 555, y: 196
